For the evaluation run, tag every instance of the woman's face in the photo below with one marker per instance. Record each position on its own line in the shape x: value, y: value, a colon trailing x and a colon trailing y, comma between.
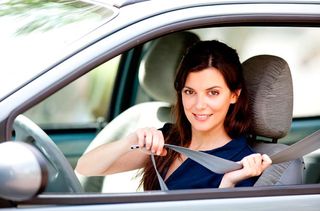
x: 206, y: 99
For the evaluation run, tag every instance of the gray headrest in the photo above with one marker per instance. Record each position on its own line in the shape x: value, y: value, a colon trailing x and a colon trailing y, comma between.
x: 158, y: 67
x: 269, y: 85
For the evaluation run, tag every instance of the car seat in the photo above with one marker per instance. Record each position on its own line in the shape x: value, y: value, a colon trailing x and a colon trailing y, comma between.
x: 269, y: 83
x: 156, y: 77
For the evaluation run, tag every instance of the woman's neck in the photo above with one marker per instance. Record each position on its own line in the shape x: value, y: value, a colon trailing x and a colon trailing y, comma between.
x: 207, y: 140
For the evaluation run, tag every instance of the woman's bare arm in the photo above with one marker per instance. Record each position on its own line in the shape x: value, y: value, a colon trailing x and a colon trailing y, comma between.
x: 118, y: 156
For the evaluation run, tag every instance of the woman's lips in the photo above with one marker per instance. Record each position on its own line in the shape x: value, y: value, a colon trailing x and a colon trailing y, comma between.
x: 202, y: 117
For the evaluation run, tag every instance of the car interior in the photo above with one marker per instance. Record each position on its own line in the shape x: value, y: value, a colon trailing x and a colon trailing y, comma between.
x: 271, y: 95
x: 271, y: 90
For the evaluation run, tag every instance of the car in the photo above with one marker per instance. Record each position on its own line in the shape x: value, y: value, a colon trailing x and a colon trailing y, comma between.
x: 74, y: 72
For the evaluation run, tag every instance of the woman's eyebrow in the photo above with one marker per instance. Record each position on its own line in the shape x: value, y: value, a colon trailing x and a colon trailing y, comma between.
x: 187, y: 87
x: 214, y: 87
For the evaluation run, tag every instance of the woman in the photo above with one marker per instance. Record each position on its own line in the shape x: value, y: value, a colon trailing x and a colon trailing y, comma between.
x: 211, y: 115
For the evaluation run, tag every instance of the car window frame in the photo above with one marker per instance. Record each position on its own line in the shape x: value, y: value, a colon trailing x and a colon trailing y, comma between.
x: 174, y: 195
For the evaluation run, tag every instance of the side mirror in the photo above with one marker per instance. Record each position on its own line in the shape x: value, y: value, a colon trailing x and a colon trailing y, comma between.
x: 23, y: 172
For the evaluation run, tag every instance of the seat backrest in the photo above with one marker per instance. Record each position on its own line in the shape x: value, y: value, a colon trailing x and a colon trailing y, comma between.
x: 156, y: 77
x: 270, y: 90
x: 158, y: 68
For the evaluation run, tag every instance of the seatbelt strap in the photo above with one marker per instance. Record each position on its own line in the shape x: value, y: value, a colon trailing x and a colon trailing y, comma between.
x: 221, y: 166
x: 211, y: 162
x: 163, y: 185
x: 298, y: 149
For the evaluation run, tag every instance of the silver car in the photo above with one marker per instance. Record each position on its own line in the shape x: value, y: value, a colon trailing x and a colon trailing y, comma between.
x: 74, y: 72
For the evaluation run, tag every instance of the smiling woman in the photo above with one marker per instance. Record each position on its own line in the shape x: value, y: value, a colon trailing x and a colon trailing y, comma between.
x: 212, y: 92
x: 216, y: 123
x: 151, y: 84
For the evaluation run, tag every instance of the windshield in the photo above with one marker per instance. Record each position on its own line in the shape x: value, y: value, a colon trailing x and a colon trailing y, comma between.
x: 35, y: 32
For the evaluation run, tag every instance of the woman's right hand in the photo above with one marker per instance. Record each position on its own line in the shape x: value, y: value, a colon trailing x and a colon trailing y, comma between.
x: 117, y: 156
x: 150, y: 140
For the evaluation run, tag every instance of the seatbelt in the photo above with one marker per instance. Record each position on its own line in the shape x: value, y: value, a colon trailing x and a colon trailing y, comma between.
x: 221, y: 166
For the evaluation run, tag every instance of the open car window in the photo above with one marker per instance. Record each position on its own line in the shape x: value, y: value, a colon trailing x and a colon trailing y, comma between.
x: 90, y: 97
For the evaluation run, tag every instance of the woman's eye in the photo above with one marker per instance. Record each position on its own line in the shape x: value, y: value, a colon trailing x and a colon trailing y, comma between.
x: 213, y: 92
x: 188, y: 92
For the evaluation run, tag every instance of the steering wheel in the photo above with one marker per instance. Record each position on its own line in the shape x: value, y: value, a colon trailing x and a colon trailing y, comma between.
x: 61, y: 174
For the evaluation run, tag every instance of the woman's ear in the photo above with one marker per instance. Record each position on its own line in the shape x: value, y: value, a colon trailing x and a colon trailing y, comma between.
x: 234, y: 96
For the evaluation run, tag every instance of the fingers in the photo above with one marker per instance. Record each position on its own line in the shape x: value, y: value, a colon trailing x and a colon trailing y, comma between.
x: 255, y: 164
x: 266, y: 161
x: 151, y: 140
x: 160, y: 139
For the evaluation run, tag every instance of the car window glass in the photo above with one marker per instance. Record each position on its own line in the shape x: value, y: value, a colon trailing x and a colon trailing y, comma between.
x: 84, y: 101
x: 36, y: 33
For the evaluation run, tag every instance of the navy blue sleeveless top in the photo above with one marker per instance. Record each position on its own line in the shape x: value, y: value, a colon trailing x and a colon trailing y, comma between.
x: 191, y: 175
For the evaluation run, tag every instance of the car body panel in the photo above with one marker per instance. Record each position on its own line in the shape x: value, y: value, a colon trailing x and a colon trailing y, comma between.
x: 292, y: 202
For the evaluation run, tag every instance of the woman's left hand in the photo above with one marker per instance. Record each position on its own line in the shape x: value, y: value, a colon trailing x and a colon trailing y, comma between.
x: 253, y: 165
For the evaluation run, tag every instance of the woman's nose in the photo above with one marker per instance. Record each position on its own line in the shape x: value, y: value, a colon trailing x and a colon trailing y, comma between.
x: 200, y: 102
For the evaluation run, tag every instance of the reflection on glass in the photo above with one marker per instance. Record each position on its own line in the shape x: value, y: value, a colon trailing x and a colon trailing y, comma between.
x: 84, y: 101
x: 34, y: 33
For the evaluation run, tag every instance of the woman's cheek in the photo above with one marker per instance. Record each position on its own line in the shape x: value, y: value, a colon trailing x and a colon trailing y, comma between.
x: 187, y: 102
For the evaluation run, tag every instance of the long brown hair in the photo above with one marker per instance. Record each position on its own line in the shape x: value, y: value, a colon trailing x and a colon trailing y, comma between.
x: 202, y: 55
